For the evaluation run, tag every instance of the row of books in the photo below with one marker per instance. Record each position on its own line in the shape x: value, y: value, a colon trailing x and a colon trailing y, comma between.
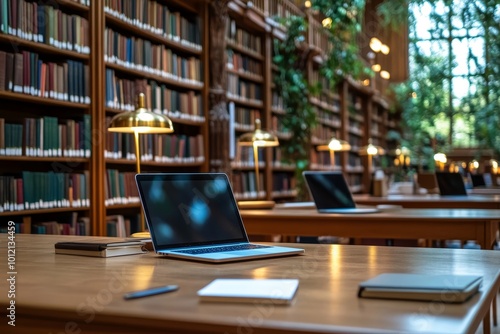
x: 243, y: 38
x: 158, y: 59
x: 43, y: 190
x: 72, y: 225
x: 277, y: 101
x: 29, y: 73
x: 120, y: 187
x: 243, y: 63
x: 326, y: 102
x: 240, y: 88
x: 121, y: 94
x: 157, y: 18
x: 322, y: 133
x: 244, y: 118
x: 244, y: 157
x: 327, y: 118
x: 245, y: 185
x: 122, y: 226
x: 46, y: 137
x: 156, y: 147
x: 283, y: 182
x: 277, y: 126
x: 323, y: 159
x: 45, y: 24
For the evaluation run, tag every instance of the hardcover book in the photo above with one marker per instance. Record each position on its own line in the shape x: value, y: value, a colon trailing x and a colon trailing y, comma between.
x: 101, y: 248
x: 445, y: 288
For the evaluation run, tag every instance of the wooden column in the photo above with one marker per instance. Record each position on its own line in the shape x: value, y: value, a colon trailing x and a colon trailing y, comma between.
x: 97, y: 90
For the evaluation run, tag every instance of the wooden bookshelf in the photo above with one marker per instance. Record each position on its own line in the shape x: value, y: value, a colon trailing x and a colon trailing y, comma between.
x: 57, y: 112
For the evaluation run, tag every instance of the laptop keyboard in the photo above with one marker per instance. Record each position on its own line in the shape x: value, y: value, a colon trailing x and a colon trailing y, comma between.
x: 221, y: 249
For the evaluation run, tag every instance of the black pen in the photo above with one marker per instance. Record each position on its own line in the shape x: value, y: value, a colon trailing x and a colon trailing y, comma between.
x: 151, y: 292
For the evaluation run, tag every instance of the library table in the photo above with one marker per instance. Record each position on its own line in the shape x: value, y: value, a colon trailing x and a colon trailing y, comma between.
x: 433, y: 201
x: 77, y: 294
x: 434, y: 224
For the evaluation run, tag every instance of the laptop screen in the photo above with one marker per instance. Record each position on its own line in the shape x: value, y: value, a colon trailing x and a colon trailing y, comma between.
x: 184, y: 209
x: 478, y: 180
x: 329, y: 190
x: 450, y: 184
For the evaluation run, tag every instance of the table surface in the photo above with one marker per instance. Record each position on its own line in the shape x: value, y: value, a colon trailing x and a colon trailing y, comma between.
x: 432, y: 224
x: 65, y: 293
x: 433, y: 201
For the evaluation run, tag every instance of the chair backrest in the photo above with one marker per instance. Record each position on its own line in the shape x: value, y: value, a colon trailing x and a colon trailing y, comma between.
x: 428, y: 181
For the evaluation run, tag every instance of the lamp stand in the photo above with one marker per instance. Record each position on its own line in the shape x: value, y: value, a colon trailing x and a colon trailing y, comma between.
x: 332, y: 158
x: 256, y: 163
x: 142, y: 220
x: 137, y: 153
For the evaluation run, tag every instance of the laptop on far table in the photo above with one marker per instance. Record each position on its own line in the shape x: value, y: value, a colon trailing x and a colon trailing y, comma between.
x: 331, y: 194
x: 451, y: 184
x: 195, y: 216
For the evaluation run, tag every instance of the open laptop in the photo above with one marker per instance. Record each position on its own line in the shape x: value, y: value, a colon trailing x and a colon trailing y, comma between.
x: 331, y: 193
x: 451, y: 184
x: 195, y: 216
x: 478, y: 180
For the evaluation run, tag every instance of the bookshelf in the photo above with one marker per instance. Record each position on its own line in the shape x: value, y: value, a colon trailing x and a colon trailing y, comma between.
x: 54, y: 124
x: 45, y: 120
x: 246, y: 96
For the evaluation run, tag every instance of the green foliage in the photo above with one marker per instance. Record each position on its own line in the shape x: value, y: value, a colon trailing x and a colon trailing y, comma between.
x: 429, y: 116
x: 292, y: 84
x: 345, y: 17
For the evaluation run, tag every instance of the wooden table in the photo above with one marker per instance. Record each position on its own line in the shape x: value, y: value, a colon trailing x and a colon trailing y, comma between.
x: 433, y: 224
x: 75, y: 294
x: 433, y: 201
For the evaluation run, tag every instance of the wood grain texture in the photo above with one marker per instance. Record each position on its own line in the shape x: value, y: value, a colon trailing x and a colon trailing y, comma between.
x: 433, y: 201
x: 64, y: 293
x: 435, y: 224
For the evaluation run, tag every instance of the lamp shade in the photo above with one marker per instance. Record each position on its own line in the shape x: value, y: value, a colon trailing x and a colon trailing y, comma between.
x: 141, y: 121
x: 335, y: 145
x: 371, y: 149
x: 258, y: 137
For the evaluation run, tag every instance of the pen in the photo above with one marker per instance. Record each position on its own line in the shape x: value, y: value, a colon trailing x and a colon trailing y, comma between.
x: 151, y: 292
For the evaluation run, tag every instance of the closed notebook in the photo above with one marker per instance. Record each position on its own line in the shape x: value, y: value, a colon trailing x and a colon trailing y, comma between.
x: 100, y: 248
x: 444, y: 288
x: 240, y: 290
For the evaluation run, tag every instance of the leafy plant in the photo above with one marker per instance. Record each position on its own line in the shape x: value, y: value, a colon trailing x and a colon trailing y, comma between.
x: 425, y: 100
x: 292, y: 84
x: 343, y: 21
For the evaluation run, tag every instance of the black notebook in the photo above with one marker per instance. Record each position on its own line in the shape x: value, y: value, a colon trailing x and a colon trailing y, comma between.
x: 444, y: 288
x: 100, y: 248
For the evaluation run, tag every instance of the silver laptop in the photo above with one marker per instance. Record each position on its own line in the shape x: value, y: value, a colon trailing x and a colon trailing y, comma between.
x: 195, y: 216
x: 331, y: 193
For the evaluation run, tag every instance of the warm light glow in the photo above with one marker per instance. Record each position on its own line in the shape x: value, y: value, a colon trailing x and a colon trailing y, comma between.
x: 385, y: 49
x: 307, y: 4
x: 440, y: 157
x: 371, y: 150
x: 338, y: 145
x: 366, y: 82
x: 375, y: 44
x: 474, y: 164
x: 414, y: 95
x: 376, y: 67
x: 494, y: 166
x: 327, y: 22
x: 261, y: 273
x: 385, y: 75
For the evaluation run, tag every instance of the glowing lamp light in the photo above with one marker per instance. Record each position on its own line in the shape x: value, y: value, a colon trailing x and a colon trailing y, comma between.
x: 375, y: 44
